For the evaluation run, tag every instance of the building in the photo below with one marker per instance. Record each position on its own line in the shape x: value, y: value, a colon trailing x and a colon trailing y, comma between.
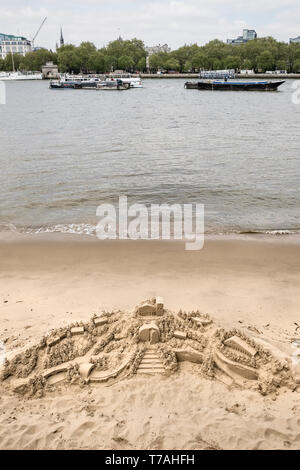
x: 294, y: 40
x: 14, y: 45
x: 248, y: 35
x: 156, y: 49
x: 50, y: 70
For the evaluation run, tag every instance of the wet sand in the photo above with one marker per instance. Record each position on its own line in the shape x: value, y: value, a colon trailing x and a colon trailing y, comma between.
x: 44, y: 283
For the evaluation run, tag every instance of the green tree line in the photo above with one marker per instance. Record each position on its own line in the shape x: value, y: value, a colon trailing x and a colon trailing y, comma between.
x: 258, y: 54
x: 32, y: 61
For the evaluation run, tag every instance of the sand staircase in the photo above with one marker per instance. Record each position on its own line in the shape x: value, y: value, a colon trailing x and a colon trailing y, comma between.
x: 151, y: 362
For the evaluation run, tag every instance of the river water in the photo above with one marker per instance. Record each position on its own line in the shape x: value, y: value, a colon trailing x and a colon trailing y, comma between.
x: 64, y: 152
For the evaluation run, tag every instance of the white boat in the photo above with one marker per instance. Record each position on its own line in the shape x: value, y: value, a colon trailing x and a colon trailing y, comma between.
x: 135, y: 82
x: 66, y: 77
x: 20, y: 76
x: 91, y: 81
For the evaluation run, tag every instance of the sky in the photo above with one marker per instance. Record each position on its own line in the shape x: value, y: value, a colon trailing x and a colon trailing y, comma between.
x: 175, y: 22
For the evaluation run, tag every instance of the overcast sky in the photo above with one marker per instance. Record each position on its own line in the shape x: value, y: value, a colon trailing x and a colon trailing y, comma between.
x: 175, y: 22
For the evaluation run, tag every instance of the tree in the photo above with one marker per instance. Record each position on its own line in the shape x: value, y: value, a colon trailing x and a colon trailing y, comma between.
x: 200, y: 61
x: 281, y: 65
x: 172, y: 64
x: 36, y: 59
x: 293, y: 54
x: 187, y: 66
x: 184, y: 54
x: 84, y: 53
x: 12, y: 61
x: 217, y: 64
x: 68, y: 60
x: 296, y: 66
x: 133, y: 48
x: 141, y: 65
x: 266, y: 61
x: 110, y: 63
x: 215, y: 50
x: 250, y: 52
x: 97, y: 62
x: 232, y: 62
x: 155, y: 62
x: 126, y: 62
x: 247, y: 64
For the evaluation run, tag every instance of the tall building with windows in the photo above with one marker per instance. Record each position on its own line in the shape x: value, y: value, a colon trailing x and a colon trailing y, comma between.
x: 294, y: 40
x: 14, y: 45
x: 248, y: 35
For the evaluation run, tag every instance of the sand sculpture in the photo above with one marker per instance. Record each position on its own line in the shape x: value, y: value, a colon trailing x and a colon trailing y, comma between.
x: 150, y: 340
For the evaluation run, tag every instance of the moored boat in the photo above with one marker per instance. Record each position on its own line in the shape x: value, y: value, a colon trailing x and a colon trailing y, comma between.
x: 90, y: 85
x: 58, y: 84
x: 134, y: 81
x: 113, y: 85
x: 8, y: 76
x: 92, y: 81
x: 266, y: 85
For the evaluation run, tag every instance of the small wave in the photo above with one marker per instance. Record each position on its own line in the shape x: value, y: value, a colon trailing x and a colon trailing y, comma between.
x: 8, y: 227
x: 271, y: 232
x: 77, y: 229
x: 90, y: 229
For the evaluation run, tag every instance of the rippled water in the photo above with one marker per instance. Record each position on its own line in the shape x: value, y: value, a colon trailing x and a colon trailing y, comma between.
x: 63, y: 152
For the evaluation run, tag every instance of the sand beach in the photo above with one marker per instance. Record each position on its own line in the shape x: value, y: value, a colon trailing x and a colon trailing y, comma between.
x: 246, y: 285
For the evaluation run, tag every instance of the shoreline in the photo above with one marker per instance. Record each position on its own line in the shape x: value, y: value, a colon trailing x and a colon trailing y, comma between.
x: 268, y: 235
x: 293, y: 76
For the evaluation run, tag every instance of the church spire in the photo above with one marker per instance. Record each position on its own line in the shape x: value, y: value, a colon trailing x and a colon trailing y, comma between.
x: 62, y: 41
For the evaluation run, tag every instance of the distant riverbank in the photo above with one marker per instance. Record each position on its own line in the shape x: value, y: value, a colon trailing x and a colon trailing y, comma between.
x: 196, y: 75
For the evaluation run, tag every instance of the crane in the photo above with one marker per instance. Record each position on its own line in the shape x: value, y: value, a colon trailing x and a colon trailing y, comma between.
x: 34, y: 38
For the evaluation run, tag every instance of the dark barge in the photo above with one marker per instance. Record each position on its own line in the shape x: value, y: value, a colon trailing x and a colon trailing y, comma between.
x: 233, y: 85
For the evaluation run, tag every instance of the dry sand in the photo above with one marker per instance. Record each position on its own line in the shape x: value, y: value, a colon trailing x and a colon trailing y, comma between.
x: 249, y: 284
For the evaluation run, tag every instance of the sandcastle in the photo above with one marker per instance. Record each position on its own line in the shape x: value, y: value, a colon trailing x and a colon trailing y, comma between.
x: 150, y: 340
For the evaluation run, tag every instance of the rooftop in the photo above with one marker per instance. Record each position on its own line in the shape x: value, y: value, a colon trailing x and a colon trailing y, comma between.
x: 11, y: 37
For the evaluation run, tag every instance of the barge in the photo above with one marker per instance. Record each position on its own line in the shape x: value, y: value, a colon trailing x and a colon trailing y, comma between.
x: 232, y: 85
